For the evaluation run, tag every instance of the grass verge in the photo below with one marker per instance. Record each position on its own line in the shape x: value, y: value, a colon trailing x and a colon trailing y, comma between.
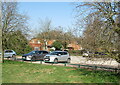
x: 21, y: 72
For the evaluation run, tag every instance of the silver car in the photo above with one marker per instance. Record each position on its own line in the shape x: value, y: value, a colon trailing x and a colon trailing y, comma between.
x: 9, y: 53
x: 58, y: 56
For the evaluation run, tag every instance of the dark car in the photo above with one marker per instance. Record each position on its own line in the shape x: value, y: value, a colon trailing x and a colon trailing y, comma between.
x: 35, y: 55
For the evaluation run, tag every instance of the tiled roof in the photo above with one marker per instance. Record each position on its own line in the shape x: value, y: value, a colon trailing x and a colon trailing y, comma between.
x: 75, y: 46
x: 50, y: 42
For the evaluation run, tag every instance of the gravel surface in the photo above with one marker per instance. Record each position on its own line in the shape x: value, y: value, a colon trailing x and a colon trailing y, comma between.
x: 95, y: 61
x: 87, y: 61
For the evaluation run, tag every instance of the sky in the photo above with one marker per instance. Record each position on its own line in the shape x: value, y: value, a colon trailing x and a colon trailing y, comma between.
x: 60, y: 13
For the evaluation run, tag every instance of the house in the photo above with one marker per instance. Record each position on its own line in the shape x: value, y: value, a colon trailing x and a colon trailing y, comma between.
x: 36, y: 44
x: 74, y: 46
x: 40, y: 44
x: 49, y: 44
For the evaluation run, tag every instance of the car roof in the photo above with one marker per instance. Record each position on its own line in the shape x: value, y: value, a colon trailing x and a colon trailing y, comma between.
x: 8, y: 50
x: 40, y: 50
x: 59, y: 51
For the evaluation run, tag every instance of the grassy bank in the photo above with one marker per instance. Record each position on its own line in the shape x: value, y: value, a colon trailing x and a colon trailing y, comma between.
x: 21, y: 72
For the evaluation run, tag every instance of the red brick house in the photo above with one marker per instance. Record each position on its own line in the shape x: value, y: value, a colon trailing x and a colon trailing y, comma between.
x: 39, y: 44
x: 74, y: 46
x: 36, y: 44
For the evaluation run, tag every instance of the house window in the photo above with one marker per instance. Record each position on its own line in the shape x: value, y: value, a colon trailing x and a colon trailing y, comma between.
x: 33, y: 41
x: 38, y: 41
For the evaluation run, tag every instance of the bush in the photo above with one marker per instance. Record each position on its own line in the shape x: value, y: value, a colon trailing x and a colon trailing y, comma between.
x: 57, y: 45
x: 75, y: 52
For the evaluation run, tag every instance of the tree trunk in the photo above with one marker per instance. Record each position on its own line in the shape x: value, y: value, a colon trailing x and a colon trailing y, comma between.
x: 2, y: 60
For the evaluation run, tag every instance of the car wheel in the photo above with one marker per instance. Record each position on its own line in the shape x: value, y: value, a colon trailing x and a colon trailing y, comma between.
x: 68, y: 60
x: 33, y: 58
x: 14, y: 57
x: 55, y: 60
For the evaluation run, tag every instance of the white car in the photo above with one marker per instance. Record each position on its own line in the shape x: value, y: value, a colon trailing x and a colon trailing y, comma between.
x: 58, y: 56
x: 87, y: 54
x: 9, y: 53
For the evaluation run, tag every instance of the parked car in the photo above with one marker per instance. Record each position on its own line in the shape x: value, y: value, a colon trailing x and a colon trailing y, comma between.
x: 58, y: 56
x: 95, y: 54
x: 100, y: 54
x: 35, y: 55
x: 9, y: 53
x: 87, y: 54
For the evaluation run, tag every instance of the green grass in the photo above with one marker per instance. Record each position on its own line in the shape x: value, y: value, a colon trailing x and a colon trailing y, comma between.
x: 21, y: 72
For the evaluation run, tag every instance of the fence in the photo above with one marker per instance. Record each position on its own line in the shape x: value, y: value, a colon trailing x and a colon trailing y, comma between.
x: 80, y: 65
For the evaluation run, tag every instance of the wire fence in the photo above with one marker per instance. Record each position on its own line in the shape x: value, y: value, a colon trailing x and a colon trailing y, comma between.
x: 94, y: 67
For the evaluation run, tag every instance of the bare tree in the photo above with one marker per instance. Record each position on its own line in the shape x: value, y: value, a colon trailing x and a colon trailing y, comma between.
x: 44, y: 27
x: 57, y: 33
x: 107, y: 13
x: 0, y: 33
x: 12, y: 21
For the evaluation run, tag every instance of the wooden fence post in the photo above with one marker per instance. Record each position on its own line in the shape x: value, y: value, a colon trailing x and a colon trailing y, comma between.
x: 65, y: 64
x: 79, y: 66
x: 40, y: 62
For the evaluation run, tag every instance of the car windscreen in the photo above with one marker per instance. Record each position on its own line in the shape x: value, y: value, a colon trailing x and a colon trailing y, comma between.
x: 8, y: 51
x: 55, y: 53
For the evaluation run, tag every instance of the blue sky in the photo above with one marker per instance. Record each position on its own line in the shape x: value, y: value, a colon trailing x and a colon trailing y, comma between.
x: 61, y: 13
